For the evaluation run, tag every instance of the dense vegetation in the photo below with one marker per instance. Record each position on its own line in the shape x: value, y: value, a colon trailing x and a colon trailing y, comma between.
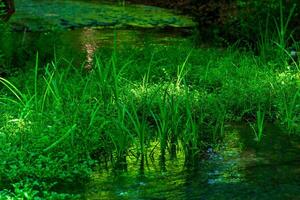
x: 59, y: 120
x: 228, y: 21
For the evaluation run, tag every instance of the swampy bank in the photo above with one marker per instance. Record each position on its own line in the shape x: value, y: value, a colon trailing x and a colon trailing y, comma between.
x: 114, y: 100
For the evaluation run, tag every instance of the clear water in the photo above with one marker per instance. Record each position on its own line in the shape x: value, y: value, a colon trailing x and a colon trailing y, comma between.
x: 239, y: 168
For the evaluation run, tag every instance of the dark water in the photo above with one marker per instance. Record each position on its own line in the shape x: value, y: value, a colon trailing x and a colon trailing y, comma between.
x: 239, y: 168
x: 80, y: 45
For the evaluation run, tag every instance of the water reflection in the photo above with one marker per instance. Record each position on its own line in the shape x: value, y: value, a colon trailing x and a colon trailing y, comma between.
x: 80, y: 46
x: 90, y: 46
x: 240, y: 168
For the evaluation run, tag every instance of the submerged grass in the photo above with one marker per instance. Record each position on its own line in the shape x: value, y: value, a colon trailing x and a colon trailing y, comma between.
x: 64, y: 119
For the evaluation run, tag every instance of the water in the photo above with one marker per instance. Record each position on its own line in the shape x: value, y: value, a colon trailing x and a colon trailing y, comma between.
x: 239, y: 168
x: 48, y: 27
x: 79, y: 46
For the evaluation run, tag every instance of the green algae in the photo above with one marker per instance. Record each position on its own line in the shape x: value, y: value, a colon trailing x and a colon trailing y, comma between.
x: 57, y: 14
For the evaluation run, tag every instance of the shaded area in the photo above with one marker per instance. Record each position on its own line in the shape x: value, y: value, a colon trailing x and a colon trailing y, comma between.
x: 241, y: 20
x: 7, y: 8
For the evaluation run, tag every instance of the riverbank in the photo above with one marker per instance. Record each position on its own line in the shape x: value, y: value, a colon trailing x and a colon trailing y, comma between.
x: 59, y: 120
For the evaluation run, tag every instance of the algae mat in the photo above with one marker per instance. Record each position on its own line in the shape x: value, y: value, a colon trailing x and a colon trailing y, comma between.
x: 47, y: 15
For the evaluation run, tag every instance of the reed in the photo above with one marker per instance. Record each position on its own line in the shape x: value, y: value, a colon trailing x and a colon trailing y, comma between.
x: 282, y: 25
x: 163, y: 125
x: 139, y: 126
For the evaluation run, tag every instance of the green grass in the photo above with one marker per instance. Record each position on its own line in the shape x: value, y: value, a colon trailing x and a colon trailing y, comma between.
x: 259, y: 127
x: 67, y: 119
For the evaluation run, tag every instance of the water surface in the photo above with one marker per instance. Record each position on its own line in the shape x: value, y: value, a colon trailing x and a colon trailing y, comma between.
x: 239, y: 168
x: 79, y: 46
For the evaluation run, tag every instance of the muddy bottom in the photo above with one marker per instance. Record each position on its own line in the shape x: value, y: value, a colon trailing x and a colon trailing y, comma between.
x: 239, y: 168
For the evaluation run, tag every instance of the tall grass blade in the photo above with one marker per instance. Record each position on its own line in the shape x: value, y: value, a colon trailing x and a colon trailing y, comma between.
x: 54, y: 144
x: 17, y: 93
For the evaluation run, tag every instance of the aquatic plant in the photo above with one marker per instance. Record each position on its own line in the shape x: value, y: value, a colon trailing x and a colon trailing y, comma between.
x: 163, y: 124
x: 258, y: 128
x: 289, y: 107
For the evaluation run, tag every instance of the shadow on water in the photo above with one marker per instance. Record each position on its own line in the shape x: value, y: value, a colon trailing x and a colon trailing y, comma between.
x: 239, y: 168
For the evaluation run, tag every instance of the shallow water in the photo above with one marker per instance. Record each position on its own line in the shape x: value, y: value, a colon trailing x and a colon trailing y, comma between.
x: 79, y: 46
x: 46, y: 27
x: 239, y: 168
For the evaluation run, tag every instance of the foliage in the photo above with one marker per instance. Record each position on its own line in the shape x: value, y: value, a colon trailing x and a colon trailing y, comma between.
x: 57, y: 119
x: 239, y: 20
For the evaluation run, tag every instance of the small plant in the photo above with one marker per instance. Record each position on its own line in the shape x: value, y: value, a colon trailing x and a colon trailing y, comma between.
x: 259, y: 127
x: 290, y: 105
x: 163, y: 125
